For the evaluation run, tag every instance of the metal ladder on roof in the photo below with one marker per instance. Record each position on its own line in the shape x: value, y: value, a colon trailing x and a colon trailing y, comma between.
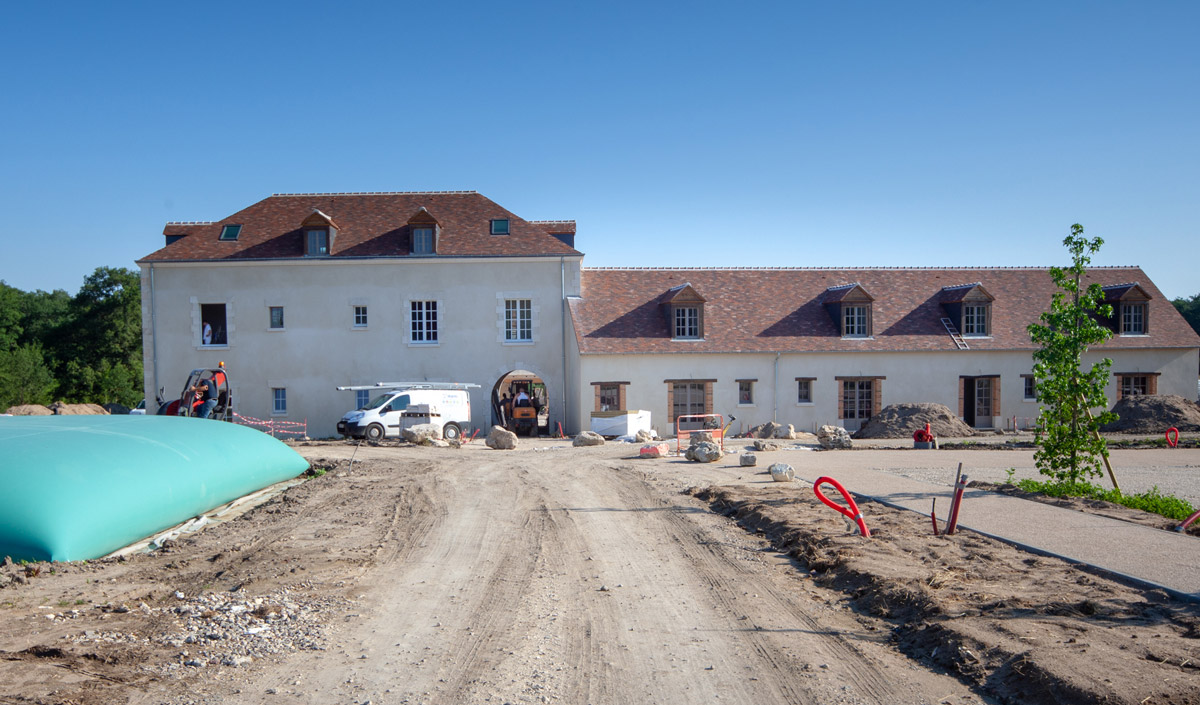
x: 958, y: 339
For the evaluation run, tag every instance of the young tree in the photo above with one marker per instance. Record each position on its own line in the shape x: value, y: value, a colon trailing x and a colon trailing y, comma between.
x: 1069, y: 450
x: 24, y: 377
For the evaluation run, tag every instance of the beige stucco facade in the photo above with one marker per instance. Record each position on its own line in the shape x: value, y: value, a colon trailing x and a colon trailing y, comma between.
x: 320, y: 347
x: 903, y: 377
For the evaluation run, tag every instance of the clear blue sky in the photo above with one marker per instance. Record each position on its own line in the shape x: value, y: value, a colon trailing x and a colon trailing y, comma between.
x: 676, y: 134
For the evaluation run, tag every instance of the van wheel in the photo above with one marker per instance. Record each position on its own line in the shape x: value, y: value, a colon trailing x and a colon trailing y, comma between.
x: 451, y: 432
x: 374, y: 432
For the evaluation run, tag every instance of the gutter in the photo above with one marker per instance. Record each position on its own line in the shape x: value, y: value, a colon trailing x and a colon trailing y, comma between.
x: 154, y: 339
x: 775, y: 393
x: 562, y: 282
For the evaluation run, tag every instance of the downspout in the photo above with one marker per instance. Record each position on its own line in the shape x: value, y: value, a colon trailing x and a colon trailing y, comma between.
x: 775, y: 393
x: 562, y: 281
x: 154, y: 342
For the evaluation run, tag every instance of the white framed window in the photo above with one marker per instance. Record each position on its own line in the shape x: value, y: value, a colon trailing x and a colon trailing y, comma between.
x: 500, y: 226
x: 745, y: 392
x: 275, y: 317
x: 231, y: 232
x: 214, y: 325
x: 360, y: 316
x: 1030, y: 383
x: 279, y: 396
x: 1133, y: 319
x: 687, y: 322
x: 518, y: 320
x: 423, y: 325
x: 975, y: 320
x: 361, y: 398
x: 804, y: 390
x: 422, y: 241
x: 856, y: 321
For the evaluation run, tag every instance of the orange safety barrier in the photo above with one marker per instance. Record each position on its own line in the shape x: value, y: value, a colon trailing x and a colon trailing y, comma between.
x: 714, y: 425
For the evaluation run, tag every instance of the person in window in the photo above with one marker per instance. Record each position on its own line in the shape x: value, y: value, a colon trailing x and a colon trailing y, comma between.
x: 207, y: 334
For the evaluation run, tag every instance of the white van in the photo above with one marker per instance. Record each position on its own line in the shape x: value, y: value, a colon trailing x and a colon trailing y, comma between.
x: 398, y: 406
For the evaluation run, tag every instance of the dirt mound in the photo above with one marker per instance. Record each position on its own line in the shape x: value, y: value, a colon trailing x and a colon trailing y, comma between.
x: 1154, y: 413
x: 61, y: 408
x: 29, y: 410
x: 969, y: 604
x: 901, y: 420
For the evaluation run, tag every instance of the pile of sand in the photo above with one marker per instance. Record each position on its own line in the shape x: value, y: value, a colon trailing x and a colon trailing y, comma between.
x: 29, y: 410
x: 1154, y: 413
x: 902, y: 420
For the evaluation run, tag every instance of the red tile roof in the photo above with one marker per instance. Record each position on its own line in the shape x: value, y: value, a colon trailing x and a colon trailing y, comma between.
x: 368, y: 225
x: 782, y: 310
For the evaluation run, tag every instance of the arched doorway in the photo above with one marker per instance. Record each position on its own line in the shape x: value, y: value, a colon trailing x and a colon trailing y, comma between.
x: 521, y: 403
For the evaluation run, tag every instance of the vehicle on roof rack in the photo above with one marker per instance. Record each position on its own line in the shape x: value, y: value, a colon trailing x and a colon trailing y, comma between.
x: 400, y: 405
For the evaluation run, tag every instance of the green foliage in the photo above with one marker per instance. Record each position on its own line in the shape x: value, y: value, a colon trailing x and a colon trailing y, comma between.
x: 1190, y: 309
x: 1153, y: 501
x: 89, y: 344
x: 24, y: 377
x: 1068, y: 450
x: 10, y: 316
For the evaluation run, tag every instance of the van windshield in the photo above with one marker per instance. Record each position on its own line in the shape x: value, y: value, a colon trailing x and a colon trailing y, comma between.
x: 377, y: 402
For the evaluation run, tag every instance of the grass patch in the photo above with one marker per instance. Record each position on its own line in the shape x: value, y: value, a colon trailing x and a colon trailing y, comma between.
x: 1152, y: 501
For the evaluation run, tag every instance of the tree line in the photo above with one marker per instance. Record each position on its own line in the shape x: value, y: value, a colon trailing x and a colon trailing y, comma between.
x: 85, y: 348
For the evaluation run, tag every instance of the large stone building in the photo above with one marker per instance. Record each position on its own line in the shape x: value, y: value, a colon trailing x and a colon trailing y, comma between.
x: 307, y: 292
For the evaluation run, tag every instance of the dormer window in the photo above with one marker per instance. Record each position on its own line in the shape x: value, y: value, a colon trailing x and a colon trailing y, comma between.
x: 684, y: 310
x: 423, y: 231
x: 687, y: 322
x: 422, y: 241
x: 856, y: 321
x: 1133, y: 318
x: 317, y: 242
x: 1131, y: 309
x: 850, y: 307
x: 319, y: 234
x: 500, y: 226
x: 231, y: 232
x: 975, y: 319
x: 968, y: 308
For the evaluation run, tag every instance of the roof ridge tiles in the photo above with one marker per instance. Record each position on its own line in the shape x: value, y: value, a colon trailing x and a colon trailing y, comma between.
x: 841, y: 269
x: 190, y: 222
x: 373, y: 193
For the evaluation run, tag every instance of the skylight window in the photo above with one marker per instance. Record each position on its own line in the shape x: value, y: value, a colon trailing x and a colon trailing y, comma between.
x: 500, y: 226
x: 231, y: 232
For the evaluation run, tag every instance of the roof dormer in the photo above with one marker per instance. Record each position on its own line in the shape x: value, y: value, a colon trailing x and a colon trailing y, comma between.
x: 423, y: 233
x: 1131, y: 309
x: 319, y: 234
x: 683, y: 308
x: 850, y: 307
x: 969, y: 307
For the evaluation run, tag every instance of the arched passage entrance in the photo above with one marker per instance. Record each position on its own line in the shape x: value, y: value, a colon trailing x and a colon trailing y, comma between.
x: 521, y: 403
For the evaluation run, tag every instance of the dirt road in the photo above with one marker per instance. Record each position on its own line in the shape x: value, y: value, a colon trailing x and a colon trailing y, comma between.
x: 425, y: 575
